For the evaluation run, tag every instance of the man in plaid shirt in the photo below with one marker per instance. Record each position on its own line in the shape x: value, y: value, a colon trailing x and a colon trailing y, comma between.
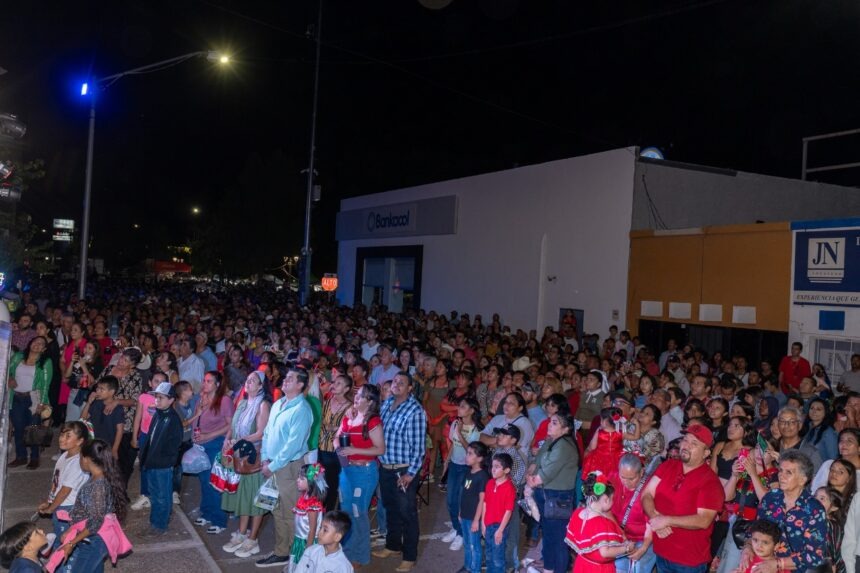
x: 404, y: 426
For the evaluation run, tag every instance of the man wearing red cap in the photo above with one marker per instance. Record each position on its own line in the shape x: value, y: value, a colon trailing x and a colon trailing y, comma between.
x: 681, y: 501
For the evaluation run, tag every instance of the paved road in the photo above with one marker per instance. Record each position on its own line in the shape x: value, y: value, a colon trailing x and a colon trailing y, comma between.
x: 188, y: 548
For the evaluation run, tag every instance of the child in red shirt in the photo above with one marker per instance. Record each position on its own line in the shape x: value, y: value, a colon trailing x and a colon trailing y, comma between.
x: 764, y: 535
x: 499, y: 498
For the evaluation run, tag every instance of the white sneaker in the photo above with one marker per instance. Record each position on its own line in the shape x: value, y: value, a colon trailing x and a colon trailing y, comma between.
x: 248, y: 548
x: 236, y: 541
x: 457, y: 544
x: 450, y: 536
x: 176, y: 500
x: 142, y: 502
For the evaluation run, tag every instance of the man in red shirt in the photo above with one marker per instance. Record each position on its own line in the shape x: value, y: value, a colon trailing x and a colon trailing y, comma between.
x: 682, y: 500
x: 629, y: 482
x: 792, y: 369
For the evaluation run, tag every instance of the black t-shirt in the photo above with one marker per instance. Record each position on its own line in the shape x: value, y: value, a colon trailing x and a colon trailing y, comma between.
x: 472, y: 489
x: 104, y: 426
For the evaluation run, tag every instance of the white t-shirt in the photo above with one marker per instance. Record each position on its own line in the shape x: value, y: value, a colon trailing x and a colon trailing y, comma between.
x: 314, y: 560
x: 68, y: 473
x: 368, y: 351
x: 24, y: 375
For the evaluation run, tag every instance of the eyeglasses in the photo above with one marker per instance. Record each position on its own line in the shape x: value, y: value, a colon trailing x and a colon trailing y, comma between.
x: 787, y: 422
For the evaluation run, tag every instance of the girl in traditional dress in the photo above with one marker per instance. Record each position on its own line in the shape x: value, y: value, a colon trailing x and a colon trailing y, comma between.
x: 607, y: 444
x: 308, y: 510
x: 593, y: 532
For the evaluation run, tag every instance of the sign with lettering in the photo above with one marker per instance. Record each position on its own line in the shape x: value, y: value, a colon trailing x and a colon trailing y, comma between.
x: 435, y: 216
x: 826, y: 263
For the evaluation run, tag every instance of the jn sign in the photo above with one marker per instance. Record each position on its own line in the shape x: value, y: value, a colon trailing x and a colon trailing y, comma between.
x: 826, y: 265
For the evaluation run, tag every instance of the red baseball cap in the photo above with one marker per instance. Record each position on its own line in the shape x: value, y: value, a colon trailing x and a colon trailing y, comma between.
x: 702, y: 434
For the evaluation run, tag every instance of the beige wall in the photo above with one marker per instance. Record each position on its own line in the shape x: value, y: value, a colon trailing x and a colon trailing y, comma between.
x: 737, y: 265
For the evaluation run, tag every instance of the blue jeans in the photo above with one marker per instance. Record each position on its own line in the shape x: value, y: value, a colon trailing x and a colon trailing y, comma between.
x: 60, y: 527
x: 644, y: 565
x: 144, y: 486
x: 210, y: 500
x: 456, y: 480
x: 666, y: 566
x: 160, y: 487
x: 87, y: 557
x: 21, y: 417
x: 381, y: 521
x: 472, y: 546
x: 357, y: 486
x: 555, y: 553
x: 495, y: 552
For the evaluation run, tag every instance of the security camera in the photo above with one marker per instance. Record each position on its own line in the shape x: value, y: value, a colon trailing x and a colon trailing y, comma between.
x: 12, y: 126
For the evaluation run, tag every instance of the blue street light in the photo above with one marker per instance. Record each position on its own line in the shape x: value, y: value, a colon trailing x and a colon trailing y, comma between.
x: 103, y: 82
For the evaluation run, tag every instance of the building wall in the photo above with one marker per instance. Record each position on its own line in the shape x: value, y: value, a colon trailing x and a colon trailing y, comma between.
x: 740, y: 265
x: 566, y: 220
x: 686, y: 196
x: 828, y: 344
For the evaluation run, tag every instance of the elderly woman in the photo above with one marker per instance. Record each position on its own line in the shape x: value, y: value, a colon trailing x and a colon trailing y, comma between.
x: 249, y: 422
x: 799, y: 515
x: 553, y: 478
x: 628, y: 512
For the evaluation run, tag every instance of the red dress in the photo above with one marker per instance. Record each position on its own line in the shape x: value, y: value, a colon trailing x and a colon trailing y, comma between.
x: 587, y: 537
x: 610, y: 447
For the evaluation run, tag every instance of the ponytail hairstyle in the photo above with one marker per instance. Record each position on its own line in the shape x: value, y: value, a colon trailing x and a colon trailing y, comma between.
x: 317, y: 486
x: 595, y: 486
x: 371, y: 394
x: 99, y: 453
x: 612, y: 414
x: 476, y: 411
x: 13, y: 541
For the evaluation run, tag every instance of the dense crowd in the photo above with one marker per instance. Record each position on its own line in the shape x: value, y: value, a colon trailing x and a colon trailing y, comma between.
x: 596, y: 449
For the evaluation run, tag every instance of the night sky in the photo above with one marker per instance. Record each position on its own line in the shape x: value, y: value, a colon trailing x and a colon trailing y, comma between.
x: 408, y: 95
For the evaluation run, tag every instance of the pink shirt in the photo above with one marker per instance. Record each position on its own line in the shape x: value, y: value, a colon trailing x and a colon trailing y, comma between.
x: 147, y: 409
x: 209, y: 421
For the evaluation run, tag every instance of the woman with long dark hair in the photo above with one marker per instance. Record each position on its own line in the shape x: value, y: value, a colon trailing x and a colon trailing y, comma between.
x: 818, y: 428
x: 211, y: 422
x: 339, y: 400
x: 103, y: 495
x: 362, y: 428
x: 30, y: 374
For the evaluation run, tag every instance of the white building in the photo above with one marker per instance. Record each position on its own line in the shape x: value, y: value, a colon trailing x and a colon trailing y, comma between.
x: 524, y: 243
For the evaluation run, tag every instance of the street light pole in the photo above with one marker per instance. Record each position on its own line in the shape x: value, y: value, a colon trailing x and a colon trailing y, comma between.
x: 305, y: 275
x: 157, y: 66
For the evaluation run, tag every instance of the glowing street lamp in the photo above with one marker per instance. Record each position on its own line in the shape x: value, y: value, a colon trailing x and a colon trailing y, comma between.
x: 210, y: 55
x: 195, y: 210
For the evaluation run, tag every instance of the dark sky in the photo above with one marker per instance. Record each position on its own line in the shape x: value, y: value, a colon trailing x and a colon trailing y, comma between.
x: 410, y: 95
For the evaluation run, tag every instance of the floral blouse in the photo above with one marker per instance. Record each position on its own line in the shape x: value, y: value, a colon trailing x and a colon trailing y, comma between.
x: 804, y: 527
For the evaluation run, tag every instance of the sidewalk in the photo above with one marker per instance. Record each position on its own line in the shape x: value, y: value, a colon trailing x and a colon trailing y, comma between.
x: 189, y: 548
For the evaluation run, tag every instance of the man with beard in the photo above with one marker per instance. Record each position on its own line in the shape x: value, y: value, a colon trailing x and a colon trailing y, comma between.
x: 682, y: 500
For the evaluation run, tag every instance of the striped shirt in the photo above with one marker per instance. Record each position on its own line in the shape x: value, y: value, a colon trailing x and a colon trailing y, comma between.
x: 404, y: 428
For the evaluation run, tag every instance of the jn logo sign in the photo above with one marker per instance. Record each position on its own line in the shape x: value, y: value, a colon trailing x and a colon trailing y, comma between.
x: 826, y: 260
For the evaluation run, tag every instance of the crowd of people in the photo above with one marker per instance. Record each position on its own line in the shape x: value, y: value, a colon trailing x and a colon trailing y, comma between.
x: 597, y: 450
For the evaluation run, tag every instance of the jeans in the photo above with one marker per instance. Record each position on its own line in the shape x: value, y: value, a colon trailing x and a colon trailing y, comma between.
x: 381, y: 521
x: 21, y: 417
x: 357, y: 485
x: 160, y: 488
x: 644, y: 565
x: 87, y: 557
x: 60, y: 527
x: 401, y: 509
x: 73, y: 412
x: 555, y: 553
x: 666, y: 566
x: 456, y: 480
x: 144, y: 485
x: 210, y: 500
x: 471, y: 545
x: 496, y: 552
